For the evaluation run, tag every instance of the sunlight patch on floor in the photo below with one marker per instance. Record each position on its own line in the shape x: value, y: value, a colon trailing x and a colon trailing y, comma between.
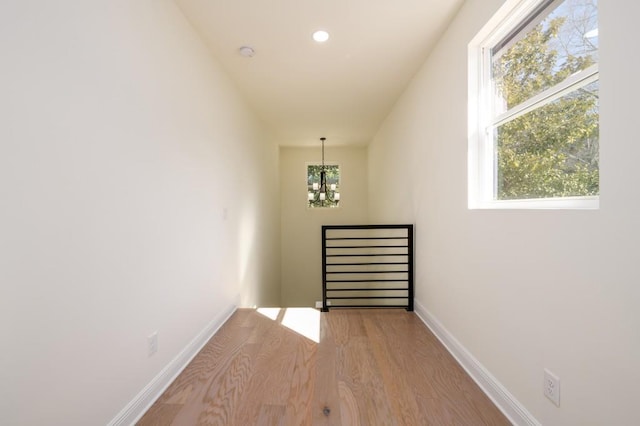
x: 304, y: 321
x: 271, y: 313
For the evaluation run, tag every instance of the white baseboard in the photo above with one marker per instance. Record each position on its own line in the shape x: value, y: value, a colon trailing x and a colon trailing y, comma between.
x: 504, y: 400
x: 147, y: 396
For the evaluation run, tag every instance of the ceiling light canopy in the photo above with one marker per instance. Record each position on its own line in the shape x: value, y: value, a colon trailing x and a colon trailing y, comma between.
x: 321, y: 36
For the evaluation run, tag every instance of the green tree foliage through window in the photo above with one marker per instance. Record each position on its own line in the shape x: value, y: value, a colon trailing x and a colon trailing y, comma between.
x: 550, y: 150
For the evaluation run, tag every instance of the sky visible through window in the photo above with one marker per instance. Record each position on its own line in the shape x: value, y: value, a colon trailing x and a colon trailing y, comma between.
x: 578, y: 36
x: 572, y: 31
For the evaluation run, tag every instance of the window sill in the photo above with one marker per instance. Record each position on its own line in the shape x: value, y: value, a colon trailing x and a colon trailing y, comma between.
x: 566, y: 203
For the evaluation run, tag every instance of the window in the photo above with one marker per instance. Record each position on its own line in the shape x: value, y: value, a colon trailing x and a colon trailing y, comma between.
x: 533, y: 107
x: 323, y: 189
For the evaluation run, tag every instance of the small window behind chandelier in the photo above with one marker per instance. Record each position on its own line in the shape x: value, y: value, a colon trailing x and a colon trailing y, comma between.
x: 323, y: 184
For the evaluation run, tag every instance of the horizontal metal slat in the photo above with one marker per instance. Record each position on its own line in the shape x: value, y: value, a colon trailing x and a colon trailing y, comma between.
x: 367, y: 281
x: 365, y: 297
x: 355, y: 247
x: 367, y: 263
x: 342, y: 227
x: 367, y: 254
x: 368, y: 306
x: 368, y: 289
x: 367, y: 272
x: 366, y: 238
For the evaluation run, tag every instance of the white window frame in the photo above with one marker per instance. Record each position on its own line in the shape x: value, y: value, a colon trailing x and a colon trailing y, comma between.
x: 481, y: 161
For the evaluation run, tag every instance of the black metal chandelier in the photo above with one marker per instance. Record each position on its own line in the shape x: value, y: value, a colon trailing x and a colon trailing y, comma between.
x: 322, y: 191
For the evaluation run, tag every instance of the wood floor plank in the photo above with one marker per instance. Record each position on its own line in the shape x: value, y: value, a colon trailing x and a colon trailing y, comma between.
x: 349, y: 413
x: 299, y: 404
x: 191, y: 385
x: 392, y: 363
x: 271, y: 415
x: 269, y: 386
x: 370, y: 367
x: 326, y: 409
x: 223, y: 397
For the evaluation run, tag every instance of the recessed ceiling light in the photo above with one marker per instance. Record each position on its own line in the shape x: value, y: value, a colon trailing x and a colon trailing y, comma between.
x: 321, y: 36
x: 247, y: 51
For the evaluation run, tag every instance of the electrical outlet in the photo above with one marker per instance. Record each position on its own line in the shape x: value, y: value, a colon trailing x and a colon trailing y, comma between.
x: 152, y: 343
x: 551, y: 387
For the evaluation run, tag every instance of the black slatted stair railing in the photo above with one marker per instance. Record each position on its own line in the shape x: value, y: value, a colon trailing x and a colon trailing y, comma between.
x: 367, y: 266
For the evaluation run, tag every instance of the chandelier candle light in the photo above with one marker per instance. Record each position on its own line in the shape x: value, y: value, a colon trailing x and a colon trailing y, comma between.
x: 323, y: 193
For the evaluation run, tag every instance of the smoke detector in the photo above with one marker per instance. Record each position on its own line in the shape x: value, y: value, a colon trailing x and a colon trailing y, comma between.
x: 247, y: 51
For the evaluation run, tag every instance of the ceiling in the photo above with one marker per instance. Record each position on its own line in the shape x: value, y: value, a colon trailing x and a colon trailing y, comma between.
x: 342, y: 89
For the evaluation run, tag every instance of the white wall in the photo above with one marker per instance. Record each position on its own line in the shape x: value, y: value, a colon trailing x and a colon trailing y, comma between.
x: 301, y: 227
x: 524, y: 290
x: 122, y: 143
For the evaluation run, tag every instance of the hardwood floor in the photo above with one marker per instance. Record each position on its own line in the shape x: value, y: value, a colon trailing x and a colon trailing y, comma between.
x: 370, y: 367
